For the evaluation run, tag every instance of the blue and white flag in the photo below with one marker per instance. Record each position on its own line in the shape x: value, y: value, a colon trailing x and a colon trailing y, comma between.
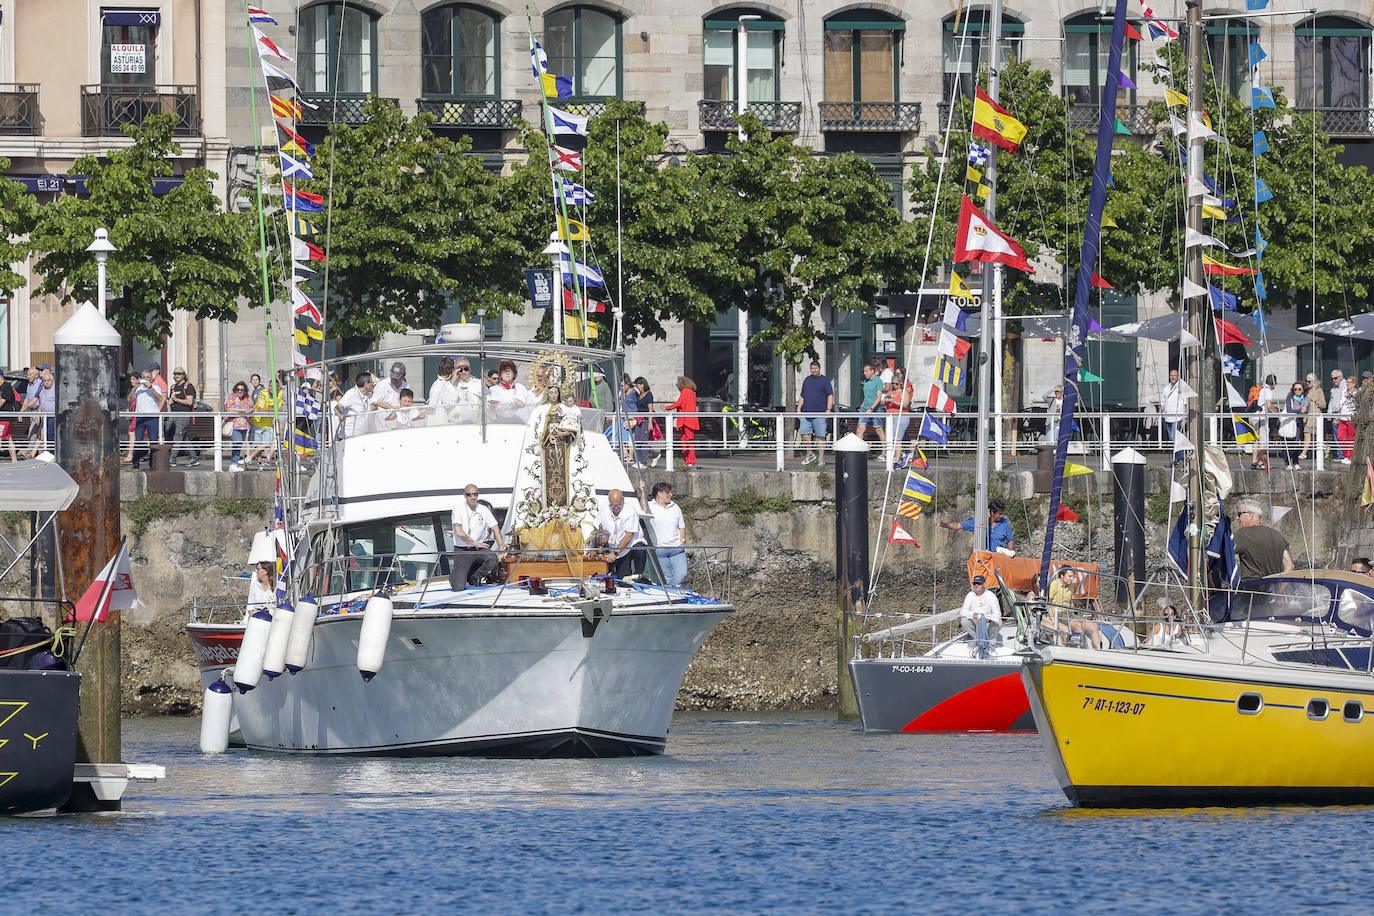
x: 589, y: 275
x: 291, y: 167
x: 306, y: 405
x: 1230, y: 365
x: 539, y: 61
x: 934, y: 430
x: 978, y: 154
x: 565, y: 122
x: 576, y: 195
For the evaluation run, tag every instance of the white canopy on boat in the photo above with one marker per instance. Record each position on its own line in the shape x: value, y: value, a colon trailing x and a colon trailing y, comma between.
x: 35, y: 486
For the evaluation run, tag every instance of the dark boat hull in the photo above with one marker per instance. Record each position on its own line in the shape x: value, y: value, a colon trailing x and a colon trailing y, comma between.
x: 38, y: 713
x: 933, y: 694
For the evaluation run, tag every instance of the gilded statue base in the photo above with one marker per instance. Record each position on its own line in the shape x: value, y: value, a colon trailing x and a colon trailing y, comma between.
x: 555, y: 544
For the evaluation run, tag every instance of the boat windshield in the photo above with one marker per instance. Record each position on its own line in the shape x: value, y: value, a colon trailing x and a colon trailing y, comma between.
x: 385, y: 552
x: 1269, y: 599
x: 1356, y: 609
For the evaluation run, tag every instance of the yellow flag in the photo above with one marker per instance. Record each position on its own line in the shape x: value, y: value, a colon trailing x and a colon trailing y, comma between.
x: 573, y: 328
x: 1173, y: 97
x: 982, y: 191
x: 958, y: 288
x: 294, y: 148
x: 972, y: 174
x: 1109, y: 223
x: 1073, y: 470
x: 1211, y: 212
x: 572, y: 230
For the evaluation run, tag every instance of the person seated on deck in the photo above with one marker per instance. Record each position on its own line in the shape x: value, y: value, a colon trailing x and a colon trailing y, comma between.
x: 1061, y: 595
x: 474, y: 532
x: 981, y: 614
x: 1168, y: 629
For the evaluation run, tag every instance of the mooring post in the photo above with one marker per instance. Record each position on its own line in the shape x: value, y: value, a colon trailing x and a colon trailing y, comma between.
x: 851, y: 557
x: 1128, y: 526
x: 88, y: 402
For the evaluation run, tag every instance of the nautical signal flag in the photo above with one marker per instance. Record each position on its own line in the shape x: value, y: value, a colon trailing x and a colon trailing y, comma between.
x: 302, y: 305
x: 918, y: 459
x: 1213, y: 266
x: 568, y: 160
x: 1132, y: 33
x: 303, y: 201
x: 1100, y: 283
x: 1245, y: 430
x: 305, y: 444
x: 936, y: 399
x: 301, y: 250
x: 933, y: 430
x: 977, y: 239
x: 579, y: 329
x: 572, y: 230
x: 899, y: 534
x: 918, y: 488
x: 285, y: 108
x: 565, y: 122
x: 993, y: 122
x: 978, y: 154
x: 291, y: 167
x: 1221, y: 299
x: 307, y: 405
x: 958, y: 289
x: 1065, y: 514
x: 908, y: 509
x: 257, y: 15
x: 1173, y: 97
x: 574, y: 195
x: 539, y: 61
x: 589, y: 305
x: 303, y: 336
x: 956, y: 317
x: 301, y: 144
x: 1073, y: 470
x: 556, y: 87
x: 277, y: 78
x: 587, y: 274
x: 304, y: 227
x: 268, y: 46
x: 1228, y: 333
x: 949, y: 372
x: 952, y: 345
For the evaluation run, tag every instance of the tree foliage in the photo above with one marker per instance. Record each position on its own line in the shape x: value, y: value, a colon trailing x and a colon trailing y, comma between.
x: 17, y: 210
x: 176, y: 252
x: 414, y: 222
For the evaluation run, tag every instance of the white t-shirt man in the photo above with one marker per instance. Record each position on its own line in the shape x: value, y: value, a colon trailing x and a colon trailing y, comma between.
x: 476, y: 521
x: 146, y: 401
x: 441, y: 393
x: 668, y: 523
x: 1173, y: 401
x: 985, y: 604
x: 617, y: 525
x: 354, y: 405
x: 388, y: 391
x: 1335, y: 404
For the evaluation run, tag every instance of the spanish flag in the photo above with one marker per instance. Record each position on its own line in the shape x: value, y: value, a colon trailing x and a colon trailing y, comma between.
x: 1211, y: 265
x: 993, y: 122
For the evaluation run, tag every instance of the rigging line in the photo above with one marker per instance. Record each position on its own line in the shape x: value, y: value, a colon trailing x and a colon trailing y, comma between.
x: 875, y: 575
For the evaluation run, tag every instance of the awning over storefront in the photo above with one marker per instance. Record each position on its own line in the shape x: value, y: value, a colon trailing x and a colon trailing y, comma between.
x: 76, y: 184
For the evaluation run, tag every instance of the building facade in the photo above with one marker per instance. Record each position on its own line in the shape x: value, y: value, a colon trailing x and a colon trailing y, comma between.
x: 871, y: 78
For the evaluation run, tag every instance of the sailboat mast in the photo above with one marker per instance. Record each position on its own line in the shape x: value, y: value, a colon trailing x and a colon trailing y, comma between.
x: 1197, y: 308
x: 986, y: 347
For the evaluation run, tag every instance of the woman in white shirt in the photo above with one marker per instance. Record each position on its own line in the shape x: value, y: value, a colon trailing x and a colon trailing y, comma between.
x: 262, y: 587
x: 670, y: 534
x: 508, y: 400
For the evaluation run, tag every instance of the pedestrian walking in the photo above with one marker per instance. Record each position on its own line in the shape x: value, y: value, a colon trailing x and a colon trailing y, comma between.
x: 181, y: 399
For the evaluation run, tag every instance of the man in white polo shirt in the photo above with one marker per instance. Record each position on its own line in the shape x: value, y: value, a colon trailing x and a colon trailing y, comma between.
x: 621, y: 524
x: 474, y: 532
x: 981, y: 614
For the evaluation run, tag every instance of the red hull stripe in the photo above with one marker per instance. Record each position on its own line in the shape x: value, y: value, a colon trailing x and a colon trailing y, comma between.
x: 992, y: 706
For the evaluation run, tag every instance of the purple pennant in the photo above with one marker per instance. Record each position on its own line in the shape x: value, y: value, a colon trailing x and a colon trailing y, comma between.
x: 1126, y: 83
x: 1093, y: 325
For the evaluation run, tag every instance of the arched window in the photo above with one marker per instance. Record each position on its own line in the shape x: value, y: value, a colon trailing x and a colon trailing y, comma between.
x: 1087, y: 39
x: 861, y: 56
x: 460, y: 53
x: 1228, y: 51
x: 583, y: 42
x: 763, y: 37
x: 338, y: 50
x: 1332, y: 63
x: 966, y: 50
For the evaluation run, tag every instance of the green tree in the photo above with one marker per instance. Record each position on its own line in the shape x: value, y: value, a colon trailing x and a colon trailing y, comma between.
x: 807, y: 231
x: 415, y: 221
x: 177, y: 252
x: 678, y: 239
x: 17, y: 210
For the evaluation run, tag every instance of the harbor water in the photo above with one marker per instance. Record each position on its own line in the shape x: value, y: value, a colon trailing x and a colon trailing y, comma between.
x: 775, y: 812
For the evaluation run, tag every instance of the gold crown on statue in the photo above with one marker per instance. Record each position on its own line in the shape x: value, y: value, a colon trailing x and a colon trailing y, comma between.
x: 550, y: 367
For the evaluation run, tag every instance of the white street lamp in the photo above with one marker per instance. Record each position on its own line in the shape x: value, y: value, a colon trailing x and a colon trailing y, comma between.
x: 101, y: 248
x: 556, y: 251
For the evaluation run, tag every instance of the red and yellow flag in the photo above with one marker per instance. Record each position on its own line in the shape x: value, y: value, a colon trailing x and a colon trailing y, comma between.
x: 993, y: 122
x: 285, y: 108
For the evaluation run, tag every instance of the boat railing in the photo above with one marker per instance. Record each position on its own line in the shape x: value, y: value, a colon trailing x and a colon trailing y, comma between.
x: 354, y: 577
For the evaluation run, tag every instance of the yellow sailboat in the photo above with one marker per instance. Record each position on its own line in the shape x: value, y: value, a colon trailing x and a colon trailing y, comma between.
x: 1269, y: 710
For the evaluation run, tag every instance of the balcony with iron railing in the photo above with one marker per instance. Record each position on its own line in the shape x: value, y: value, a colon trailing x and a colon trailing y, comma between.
x: 780, y: 117
x: 344, y: 108
x: 871, y: 116
x: 107, y: 110
x: 1136, y: 118
x: 471, y: 113
x: 1347, y: 122
x: 591, y: 106
x: 18, y: 109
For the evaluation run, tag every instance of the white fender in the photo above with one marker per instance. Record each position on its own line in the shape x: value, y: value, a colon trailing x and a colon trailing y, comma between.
x: 216, y: 708
x: 248, y: 668
x: 274, y: 660
x: 302, y: 627
x: 372, y: 638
